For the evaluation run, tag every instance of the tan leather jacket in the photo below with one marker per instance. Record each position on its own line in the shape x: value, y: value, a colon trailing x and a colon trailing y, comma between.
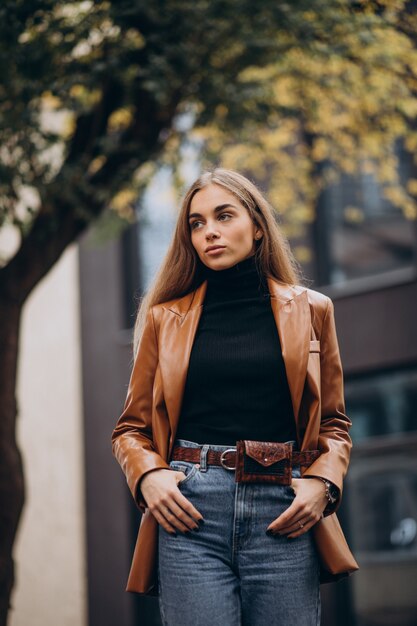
x: 145, y: 432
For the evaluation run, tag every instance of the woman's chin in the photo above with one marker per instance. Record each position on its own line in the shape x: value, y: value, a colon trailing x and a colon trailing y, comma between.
x: 219, y: 264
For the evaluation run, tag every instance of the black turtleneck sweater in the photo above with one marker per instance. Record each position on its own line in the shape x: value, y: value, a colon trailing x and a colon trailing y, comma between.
x: 236, y: 385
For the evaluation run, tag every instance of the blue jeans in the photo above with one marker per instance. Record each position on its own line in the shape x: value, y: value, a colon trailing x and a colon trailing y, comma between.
x: 230, y: 571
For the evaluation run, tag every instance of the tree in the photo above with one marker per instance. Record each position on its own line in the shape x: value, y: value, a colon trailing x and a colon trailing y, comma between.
x: 93, y: 93
x: 342, y: 104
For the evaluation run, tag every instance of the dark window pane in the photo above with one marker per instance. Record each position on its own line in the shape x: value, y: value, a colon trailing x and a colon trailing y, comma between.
x: 382, y: 405
x: 366, y: 234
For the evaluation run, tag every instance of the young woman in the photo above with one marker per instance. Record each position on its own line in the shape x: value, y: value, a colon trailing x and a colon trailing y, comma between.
x: 234, y: 439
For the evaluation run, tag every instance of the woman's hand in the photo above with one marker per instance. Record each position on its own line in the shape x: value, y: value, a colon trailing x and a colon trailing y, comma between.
x: 166, y: 502
x: 305, y: 510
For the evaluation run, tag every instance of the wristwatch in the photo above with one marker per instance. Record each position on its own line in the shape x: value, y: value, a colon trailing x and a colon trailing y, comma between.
x: 332, y: 492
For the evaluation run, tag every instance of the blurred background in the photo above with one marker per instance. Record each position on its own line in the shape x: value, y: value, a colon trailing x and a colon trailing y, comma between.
x: 108, y: 111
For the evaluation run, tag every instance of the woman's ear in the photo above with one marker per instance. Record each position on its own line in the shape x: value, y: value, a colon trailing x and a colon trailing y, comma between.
x: 258, y: 234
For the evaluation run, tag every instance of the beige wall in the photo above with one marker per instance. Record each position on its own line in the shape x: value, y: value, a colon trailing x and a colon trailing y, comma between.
x: 50, y: 552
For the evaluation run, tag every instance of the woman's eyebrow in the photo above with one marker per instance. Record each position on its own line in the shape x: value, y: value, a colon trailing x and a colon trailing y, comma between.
x: 218, y: 208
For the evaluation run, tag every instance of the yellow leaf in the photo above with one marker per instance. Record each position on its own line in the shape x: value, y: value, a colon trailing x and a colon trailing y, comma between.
x: 120, y: 119
x: 303, y: 254
x: 353, y: 214
x: 412, y: 186
x: 96, y: 164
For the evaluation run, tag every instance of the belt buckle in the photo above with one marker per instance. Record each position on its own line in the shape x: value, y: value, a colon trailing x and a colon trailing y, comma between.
x: 222, y: 459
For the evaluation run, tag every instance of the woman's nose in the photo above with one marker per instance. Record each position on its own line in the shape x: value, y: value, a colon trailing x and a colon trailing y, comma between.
x: 212, y: 232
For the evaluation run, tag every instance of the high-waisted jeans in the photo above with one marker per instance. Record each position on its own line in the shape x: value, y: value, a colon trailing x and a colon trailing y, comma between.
x: 231, y: 572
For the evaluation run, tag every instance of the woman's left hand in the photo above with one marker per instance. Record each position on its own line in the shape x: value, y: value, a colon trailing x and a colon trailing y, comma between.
x: 305, y: 510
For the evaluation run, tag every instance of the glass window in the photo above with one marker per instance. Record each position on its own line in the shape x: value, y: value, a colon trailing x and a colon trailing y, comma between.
x: 360, y: 233
x: 156, y: 219
x: 382, y: 405
x: 158, y: 213
x: 381, y: 498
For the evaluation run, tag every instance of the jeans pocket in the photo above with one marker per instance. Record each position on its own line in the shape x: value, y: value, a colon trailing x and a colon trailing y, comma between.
x: 189, y: 470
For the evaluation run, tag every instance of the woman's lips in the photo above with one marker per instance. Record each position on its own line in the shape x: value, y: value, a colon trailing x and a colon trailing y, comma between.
x: 215, y: 251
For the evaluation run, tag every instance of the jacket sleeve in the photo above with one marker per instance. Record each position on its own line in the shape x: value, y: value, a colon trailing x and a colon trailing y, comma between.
x: 132, y: 442
x: 334, y: 441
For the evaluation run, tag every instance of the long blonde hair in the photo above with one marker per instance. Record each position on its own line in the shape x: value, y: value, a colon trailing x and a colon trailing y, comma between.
x: 181, y: 269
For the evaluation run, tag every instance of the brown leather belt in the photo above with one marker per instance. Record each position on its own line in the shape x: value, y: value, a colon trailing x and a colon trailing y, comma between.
x: 227, y: 458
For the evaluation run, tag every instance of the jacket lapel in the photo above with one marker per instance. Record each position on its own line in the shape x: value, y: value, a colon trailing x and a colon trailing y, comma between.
x: 178, y: 341
x: 292, y: 316
x: 291, y: 311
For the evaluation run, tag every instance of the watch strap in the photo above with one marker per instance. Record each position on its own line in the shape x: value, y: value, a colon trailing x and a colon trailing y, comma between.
x: 329, y: 489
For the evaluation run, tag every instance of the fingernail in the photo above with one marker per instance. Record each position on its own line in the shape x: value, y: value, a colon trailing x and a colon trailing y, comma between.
x: 269, y: 532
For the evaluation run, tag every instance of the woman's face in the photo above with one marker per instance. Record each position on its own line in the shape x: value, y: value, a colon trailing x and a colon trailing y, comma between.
x: 222, y: 231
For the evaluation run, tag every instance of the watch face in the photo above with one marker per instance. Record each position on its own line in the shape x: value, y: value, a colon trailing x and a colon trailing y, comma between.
x: 333, y: 491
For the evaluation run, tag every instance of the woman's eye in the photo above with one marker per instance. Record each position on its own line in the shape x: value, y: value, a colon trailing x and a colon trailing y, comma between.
x: 222, y: 217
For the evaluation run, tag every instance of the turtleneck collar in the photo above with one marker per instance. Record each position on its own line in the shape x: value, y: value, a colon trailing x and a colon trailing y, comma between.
x: 242, y: 280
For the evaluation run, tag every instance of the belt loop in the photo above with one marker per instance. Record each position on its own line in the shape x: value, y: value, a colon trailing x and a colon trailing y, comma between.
x: 203, y: 457
x: 291, y: 463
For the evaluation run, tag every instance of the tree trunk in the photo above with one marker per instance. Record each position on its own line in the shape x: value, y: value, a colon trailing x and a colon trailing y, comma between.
x: 58, y: 223
x: 11, y: 469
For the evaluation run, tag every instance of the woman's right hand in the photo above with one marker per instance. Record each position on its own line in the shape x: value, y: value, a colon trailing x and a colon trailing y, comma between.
x: 166, y: 502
